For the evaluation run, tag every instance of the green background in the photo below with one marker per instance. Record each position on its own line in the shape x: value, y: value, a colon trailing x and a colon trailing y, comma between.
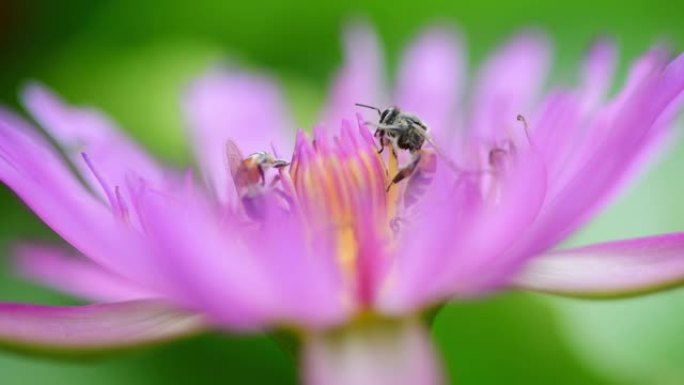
x: 133, y: 60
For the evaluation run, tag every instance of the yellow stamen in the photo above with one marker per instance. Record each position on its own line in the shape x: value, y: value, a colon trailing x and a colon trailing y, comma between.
x: 393, y: 193
x: 342, y: 198
x: 347, y: 249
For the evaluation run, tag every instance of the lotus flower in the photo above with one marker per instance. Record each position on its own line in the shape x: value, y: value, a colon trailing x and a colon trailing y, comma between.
x: 323, y: 248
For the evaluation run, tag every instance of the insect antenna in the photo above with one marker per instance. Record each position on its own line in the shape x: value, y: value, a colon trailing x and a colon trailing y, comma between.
x: 370, y: 107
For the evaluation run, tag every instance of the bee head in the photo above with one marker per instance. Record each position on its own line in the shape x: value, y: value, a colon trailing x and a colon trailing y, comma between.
x: 269, y: 160
x: 387, y: 116
x: 279, y: 163
x: 390, y: 115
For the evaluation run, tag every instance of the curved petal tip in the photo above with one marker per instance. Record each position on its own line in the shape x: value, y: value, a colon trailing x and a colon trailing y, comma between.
x: 93, y: 330
x: 615, y: 269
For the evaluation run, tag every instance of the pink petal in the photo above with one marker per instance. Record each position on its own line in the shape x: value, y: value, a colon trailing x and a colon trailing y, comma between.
x: 622, y: 138
x: 597, y: 74
x: 483, y: 260
x: 557, y: 129
x: 368, y: 353
x: 431, y: 269
x: 643, y: 71
x: 211, y: 271
x: 225, y: 104
x: 75, y: 275
x: 508, y: 83
x: 239, y: 284
x: 621, y: 268
x: 80, y: 130
x: 93, y: 329
x: 617, y: 140
x: 308, y: 283
x: 360, y: 80
x: 431, y: 80
x: 32, y: 169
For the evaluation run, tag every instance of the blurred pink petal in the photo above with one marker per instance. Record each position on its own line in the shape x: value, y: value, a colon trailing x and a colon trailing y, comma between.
x: 598, y: 72
x: 102, y: 153
x: 360, y: 80
x: 80, y: 130
x: 606, y: 164
x: 598, y: 124
x: 509, y: 82
x: 76, y: 275
x: 430, y: 269
x: 222, y: 277
x: 557, y: 127
x: 432, y: 80
x: 234, y: 283
x: 226, y: 104
x: 376, y: 352
x: 39, y: 177
x: 93, y: 329
x: 614, y: 269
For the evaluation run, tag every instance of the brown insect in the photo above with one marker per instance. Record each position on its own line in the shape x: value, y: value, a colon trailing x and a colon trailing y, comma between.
x: 249, y: 177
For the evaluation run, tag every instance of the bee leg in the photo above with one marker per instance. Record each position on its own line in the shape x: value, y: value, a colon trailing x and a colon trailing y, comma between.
x: 405, y: 172
x: 401, y: 175
x: 262, y: 175
x: 381, y: 142
x: 380, y: 135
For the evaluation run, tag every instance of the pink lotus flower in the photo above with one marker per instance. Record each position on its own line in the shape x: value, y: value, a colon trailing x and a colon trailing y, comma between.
x: 320, y: 247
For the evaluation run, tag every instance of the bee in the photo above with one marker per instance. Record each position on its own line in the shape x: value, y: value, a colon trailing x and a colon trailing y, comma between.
x: 249, y: 177
x: 407, y: 131
x: 399, y: 129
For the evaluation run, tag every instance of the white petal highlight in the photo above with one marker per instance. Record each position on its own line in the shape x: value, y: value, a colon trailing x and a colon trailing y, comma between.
x: 614, y: 269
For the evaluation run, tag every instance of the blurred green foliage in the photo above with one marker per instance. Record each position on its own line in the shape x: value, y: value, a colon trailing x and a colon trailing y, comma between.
x: 133, y: 59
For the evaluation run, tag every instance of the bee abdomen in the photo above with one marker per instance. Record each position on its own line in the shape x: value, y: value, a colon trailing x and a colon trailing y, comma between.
x: 410, y: 140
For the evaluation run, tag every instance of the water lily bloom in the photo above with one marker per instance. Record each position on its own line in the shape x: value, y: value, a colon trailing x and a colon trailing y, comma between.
x: 327, y: 247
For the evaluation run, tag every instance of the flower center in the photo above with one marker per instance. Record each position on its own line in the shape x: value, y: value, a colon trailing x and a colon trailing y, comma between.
x: 340, y: 186
x: 356, y: 204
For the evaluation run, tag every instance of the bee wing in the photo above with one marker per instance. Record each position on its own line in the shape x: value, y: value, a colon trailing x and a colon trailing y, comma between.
x: 234, y: 157
x: 438, y: 150
x: 415, y: 120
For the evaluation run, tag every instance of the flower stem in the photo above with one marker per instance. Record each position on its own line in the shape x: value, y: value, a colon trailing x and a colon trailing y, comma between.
x: 371, y: 351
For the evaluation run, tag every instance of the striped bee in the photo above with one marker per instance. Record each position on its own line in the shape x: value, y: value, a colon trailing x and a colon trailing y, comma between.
x: 407, y: 131
x: 399, y: 129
